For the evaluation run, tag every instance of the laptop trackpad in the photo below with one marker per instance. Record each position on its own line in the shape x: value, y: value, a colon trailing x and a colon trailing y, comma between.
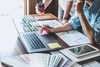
x: 46, y: 39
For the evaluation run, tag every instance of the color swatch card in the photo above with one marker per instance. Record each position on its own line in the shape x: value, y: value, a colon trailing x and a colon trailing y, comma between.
x: 32, y: 60
x: 73, y: 37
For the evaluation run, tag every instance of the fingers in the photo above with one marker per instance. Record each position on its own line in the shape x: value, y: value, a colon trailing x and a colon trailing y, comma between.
x: 79, y: 6
x: 47, y: 28
x: 37, y: 10
x: 64, y: 21
x: 46, y: 25
x: 41, y: 29
x: 78, y: 2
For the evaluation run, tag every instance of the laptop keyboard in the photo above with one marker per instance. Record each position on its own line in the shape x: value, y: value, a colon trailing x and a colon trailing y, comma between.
x: 33, y: 41
x: 29, y: 24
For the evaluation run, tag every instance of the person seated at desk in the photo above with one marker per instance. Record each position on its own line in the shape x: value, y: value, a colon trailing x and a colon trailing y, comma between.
x: 87, y: 15
x: 65, y: 9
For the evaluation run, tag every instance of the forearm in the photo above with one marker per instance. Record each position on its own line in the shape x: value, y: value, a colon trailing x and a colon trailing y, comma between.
x: 46, y: 3
x: 88, y: 30
x: 65, y: 27
x: 67, y: 10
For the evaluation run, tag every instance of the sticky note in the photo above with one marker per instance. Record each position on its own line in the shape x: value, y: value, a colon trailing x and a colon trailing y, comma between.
x: 43, y: 32
x: 54, y: 45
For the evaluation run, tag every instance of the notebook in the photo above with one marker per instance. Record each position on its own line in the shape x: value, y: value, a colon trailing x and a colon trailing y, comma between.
x: 43, y: 17
x: 34, y: 42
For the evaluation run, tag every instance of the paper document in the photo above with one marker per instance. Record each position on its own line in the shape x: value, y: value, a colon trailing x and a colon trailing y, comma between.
x: 51, y: 23
x: 73, y: 37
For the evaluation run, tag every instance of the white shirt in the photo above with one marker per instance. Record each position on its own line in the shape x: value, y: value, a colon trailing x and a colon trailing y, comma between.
x: 62, y: 4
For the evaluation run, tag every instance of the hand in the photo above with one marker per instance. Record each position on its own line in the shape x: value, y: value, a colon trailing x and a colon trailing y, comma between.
x: 64, y: 21
x: 47, y: 28
x: 39, y: 12
x: 79, y: 6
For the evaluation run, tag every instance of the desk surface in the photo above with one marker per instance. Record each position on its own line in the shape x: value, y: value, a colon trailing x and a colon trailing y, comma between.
x: 10, y: 45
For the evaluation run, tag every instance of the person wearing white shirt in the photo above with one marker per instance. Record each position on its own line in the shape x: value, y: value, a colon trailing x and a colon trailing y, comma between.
x: 65, y: 9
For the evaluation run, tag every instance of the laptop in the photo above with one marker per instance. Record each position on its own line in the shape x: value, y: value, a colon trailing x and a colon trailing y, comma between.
x: 34, y: 42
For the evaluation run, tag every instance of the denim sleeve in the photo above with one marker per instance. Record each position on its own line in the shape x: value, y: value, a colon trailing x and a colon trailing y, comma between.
x: 97, y: 26
x: 74, y: 21
x: 97, y: 31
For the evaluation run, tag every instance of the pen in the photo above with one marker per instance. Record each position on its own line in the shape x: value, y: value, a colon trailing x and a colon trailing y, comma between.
x: 41, y: 26
x: 38, y: 26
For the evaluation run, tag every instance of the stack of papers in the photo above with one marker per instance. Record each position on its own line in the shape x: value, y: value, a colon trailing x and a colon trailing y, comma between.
x: 32, y: 60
